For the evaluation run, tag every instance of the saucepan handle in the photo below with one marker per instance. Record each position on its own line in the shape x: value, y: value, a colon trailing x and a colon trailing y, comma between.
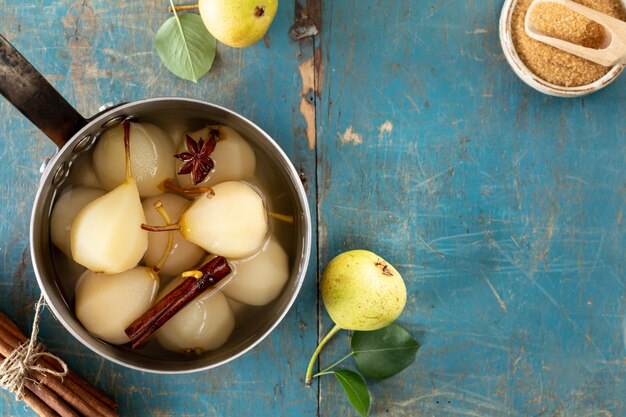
x: 35, y: 98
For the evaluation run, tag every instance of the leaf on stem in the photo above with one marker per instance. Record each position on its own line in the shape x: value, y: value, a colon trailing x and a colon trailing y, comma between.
x: 356, y: 389
x: 382, y: 353
x: 185, y: 46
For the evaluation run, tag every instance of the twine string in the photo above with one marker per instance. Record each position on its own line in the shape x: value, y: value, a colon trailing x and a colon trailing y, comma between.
x: 17, y: 368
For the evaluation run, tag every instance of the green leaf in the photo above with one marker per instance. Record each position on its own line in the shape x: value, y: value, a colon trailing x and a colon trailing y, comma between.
x: 356, y: 389
x: 382, y: 353
x: 185, y: 46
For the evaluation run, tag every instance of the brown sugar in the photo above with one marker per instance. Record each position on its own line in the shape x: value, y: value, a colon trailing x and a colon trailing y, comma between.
x: 558, y: 21
x: 551, y: 64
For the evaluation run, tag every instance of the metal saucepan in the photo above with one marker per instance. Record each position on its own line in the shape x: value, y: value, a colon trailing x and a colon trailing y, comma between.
x: 30, y: 93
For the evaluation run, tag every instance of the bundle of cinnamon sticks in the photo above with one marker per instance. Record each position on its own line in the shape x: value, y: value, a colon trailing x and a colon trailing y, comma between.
x: 50, y: 396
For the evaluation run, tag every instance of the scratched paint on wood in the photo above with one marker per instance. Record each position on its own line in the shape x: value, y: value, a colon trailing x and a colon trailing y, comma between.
x: 500, y: 206
x: 307, y: 104
x: 96, y: 52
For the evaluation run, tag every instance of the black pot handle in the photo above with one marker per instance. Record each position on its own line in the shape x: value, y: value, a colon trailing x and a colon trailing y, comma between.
x: 35, y: 98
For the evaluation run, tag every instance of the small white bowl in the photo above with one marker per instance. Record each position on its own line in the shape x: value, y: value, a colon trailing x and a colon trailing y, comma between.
x: 533, y: 80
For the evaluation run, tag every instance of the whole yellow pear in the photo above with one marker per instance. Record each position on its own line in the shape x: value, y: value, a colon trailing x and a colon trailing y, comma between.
x: 362, y: 291
x: 238, y: 23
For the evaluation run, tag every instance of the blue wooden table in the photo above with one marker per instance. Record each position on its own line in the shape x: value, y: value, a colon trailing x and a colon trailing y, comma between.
x: 502, y: 208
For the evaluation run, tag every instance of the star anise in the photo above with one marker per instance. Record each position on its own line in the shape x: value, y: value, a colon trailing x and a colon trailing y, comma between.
x: 196, y: 161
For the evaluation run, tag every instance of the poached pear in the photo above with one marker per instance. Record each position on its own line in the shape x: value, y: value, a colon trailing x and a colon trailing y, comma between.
x: 204, y: 324
x: 64, y: 212
x: 260, y: 278
x: 183, y: 255
x: 151, y: 157
x: 106, y: 235
x: 107, y: 303
x: 233, y: 157
x: 232, y: 223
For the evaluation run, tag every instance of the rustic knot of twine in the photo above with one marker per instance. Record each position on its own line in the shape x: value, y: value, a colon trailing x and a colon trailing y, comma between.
x: 17, y: 368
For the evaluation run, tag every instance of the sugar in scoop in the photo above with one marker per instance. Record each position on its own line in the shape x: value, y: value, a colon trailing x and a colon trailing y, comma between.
x: 558, y: 21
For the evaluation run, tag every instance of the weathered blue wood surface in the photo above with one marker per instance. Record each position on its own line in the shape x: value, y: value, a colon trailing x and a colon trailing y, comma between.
x: 503, y: 208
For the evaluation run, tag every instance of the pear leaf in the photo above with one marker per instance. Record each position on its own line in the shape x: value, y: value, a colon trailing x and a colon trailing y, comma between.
x: 382, y: 353
x: 185, y: 46
x: 356, y: 390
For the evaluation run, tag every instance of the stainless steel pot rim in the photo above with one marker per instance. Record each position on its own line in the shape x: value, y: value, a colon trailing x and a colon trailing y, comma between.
x: 47, y: 286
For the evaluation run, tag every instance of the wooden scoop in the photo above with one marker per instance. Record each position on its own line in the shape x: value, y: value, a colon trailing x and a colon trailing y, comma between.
x: 613, y: 48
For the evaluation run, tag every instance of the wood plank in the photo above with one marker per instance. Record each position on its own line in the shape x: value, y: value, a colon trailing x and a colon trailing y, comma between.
x: 503, y: 209
x: 96, y: 52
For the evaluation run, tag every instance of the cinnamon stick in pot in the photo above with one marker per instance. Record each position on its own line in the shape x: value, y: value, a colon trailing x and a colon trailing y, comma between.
x: 149, y: 322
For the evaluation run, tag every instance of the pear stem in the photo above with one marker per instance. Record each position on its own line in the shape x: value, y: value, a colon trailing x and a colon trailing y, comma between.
x: 126, y: 125
x: 166, y: 228
x: 196, y: 274
x: 168, y: 185
x: 309, y: 371
x: 183, y: 7
x: 283, y: 217
x: 170, y: 236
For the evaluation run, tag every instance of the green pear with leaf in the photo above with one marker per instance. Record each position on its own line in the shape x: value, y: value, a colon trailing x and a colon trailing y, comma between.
x: 361, y: 291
